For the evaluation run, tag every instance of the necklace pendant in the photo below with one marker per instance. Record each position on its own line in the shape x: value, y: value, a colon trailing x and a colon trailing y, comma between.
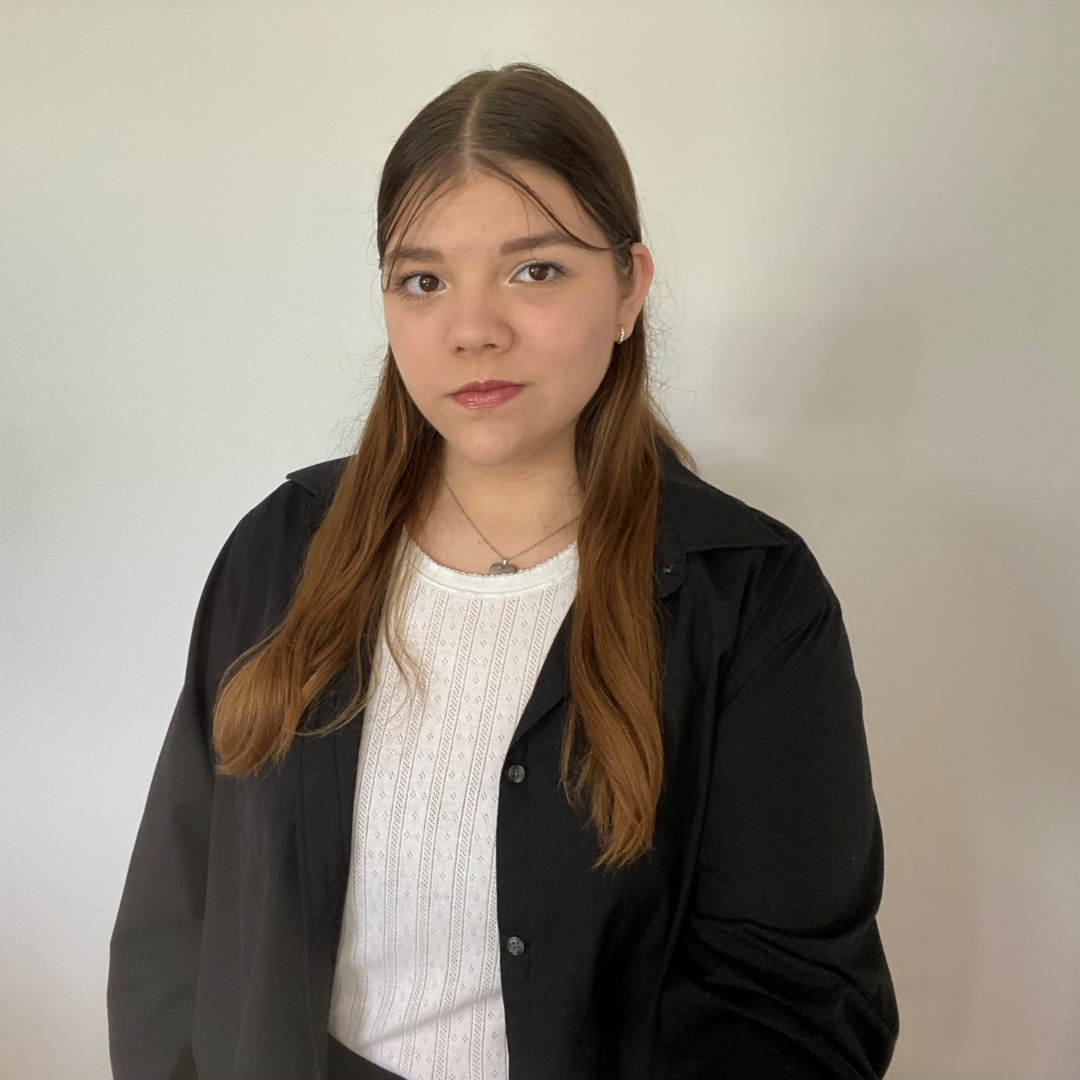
x: 503, y: 567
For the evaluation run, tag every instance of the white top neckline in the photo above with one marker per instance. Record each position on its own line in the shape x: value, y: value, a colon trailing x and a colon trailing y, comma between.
x: 564, y: 564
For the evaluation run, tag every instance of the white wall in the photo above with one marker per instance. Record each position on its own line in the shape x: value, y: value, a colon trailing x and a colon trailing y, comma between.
x: 865, y: 220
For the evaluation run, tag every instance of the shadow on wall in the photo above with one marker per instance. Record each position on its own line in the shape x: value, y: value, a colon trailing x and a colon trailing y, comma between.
x: 961, y: 604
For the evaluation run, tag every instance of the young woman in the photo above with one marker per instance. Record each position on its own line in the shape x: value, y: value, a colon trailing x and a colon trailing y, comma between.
x: 508, y: 747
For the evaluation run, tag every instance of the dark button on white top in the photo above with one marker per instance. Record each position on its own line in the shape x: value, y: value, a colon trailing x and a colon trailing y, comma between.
x: 515, y: 774
x: 515, y: 946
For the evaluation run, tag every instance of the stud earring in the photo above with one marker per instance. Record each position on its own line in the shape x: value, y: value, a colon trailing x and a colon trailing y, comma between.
x: 622, y: 334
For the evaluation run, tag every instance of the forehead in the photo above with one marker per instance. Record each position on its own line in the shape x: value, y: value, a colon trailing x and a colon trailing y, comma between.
x: 481, y: 211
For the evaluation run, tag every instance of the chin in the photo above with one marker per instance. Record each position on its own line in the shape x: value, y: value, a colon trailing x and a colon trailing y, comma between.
x: 491, y: 449
x: 486, y: 451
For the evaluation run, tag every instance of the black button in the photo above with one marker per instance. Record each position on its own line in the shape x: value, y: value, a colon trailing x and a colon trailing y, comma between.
x: 515, y: 946
x: 515, y: 774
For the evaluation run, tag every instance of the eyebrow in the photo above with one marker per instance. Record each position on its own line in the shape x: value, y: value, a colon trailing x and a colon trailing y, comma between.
x: 520, y: 243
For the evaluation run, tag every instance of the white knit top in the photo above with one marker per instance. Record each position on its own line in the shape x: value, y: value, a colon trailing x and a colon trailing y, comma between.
x: 417, y: 986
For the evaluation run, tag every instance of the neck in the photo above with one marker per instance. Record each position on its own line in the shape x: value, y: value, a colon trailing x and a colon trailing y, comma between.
x: 512, y: 501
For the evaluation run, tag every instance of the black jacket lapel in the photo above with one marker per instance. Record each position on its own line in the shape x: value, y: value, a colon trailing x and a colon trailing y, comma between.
x: 552, y: 683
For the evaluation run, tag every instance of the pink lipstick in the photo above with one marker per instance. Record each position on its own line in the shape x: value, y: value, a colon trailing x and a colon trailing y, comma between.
x: 486, y: 395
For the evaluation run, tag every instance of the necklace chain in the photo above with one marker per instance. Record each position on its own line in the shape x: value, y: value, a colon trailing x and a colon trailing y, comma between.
x: 506, y: 566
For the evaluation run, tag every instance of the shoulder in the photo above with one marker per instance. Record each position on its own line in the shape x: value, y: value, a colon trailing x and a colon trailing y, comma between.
x: 319, y: 480
x: 297, y: 504
x: 266, y: 548
x: 741, y: 554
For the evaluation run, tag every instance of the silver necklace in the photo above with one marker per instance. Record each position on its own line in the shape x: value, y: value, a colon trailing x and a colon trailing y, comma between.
x: 506, y: 566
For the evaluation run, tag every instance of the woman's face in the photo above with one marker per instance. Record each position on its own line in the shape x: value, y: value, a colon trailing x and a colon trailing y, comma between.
x: 488, y: 292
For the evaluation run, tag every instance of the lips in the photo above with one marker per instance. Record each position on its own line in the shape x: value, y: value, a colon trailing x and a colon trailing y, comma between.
x: 486, y: 395
x: 491, y: 384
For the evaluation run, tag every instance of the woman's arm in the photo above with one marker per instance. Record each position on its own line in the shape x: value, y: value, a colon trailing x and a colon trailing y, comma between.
x: 154, y: 953
x: 780, y: 970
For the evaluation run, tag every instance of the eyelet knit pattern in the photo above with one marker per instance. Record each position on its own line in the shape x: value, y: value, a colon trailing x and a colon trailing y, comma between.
x: 417, y: 987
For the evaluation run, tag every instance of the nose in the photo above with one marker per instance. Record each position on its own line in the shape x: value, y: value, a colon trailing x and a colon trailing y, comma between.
x: 477, y: 320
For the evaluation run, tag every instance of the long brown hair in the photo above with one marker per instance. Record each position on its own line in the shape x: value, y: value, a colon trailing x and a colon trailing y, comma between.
x: 612, y: 754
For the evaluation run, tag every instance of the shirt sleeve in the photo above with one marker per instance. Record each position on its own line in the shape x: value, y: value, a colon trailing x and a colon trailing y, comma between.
x: 780, y: 970
x: 154, y: 950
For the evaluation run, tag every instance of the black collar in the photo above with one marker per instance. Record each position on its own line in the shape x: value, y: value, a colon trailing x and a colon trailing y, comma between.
x: 693, y: 515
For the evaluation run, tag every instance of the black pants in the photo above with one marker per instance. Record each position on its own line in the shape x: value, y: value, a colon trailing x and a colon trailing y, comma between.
x: 343, y: 1064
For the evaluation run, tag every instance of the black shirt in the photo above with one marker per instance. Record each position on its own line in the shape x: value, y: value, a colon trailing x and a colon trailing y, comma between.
x: 743, y: 946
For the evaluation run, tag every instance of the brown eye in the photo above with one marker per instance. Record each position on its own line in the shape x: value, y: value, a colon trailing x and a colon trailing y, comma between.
x: 428, y: 284
x: 541, y: 273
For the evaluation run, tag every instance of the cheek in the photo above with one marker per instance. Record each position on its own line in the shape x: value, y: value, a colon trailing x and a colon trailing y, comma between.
x: 410, y: 341
x: 576, y: 341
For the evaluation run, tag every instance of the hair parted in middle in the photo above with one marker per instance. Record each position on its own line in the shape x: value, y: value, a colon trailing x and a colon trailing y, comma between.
x: 490, y: 121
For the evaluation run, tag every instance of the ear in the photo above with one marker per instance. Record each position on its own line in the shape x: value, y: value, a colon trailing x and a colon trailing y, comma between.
x: 634, y: 298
